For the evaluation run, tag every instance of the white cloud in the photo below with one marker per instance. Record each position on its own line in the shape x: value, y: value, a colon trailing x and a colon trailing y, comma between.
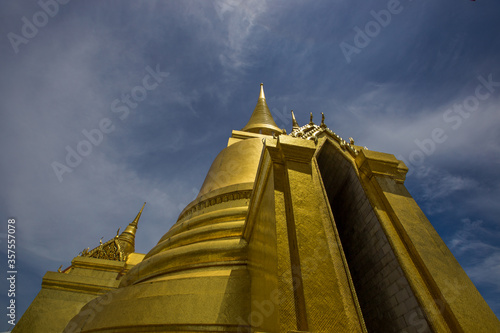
x: 484, y: 258
x: 239, y: 19
x: 487, y: 270
x: 440, y: 184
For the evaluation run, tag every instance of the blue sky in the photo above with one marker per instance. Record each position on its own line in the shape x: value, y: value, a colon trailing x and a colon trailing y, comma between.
x: 418, y: 79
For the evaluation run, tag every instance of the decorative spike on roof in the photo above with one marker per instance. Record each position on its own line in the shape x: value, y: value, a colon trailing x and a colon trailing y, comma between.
x: 110, y: 250
x: 136, y: 220
x: 127, y: 237
x: 119, y: 247
x: 313, y: 132
x: 261, y: 120
x: 295, y: 125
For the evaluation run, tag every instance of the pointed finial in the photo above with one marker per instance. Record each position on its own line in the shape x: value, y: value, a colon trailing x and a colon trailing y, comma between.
x: 261, y: 95
x: 311, y: 119
x: 136, y: 220
x: 323, y: 120
x: 127, y: 237
x: 295, y: 125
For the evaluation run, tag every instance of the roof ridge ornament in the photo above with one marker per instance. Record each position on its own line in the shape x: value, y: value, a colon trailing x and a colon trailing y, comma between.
x: 314, y: 132
x: 119, y: 247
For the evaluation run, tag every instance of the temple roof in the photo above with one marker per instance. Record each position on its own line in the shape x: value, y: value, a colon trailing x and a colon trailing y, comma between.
x: 313, y: 132
x: 119, y: 247
x: 261, y: 120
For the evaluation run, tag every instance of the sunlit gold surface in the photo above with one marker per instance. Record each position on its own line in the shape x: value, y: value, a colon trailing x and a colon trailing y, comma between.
x: 234, y: 165
x: 295, y: 260
x: 63, y: 294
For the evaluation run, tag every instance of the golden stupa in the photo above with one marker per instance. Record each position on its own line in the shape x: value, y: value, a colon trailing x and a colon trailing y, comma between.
x: 304, y: 232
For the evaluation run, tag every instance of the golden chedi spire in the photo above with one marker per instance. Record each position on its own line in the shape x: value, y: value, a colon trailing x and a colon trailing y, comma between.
x: 261, y: 120
x: 127, y: 237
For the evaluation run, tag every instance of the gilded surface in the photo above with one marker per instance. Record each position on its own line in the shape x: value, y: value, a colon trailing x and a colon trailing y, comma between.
x: 259, y: 250
x: 111, y: 250
x: 314, y: 132
x: 234, y: 165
